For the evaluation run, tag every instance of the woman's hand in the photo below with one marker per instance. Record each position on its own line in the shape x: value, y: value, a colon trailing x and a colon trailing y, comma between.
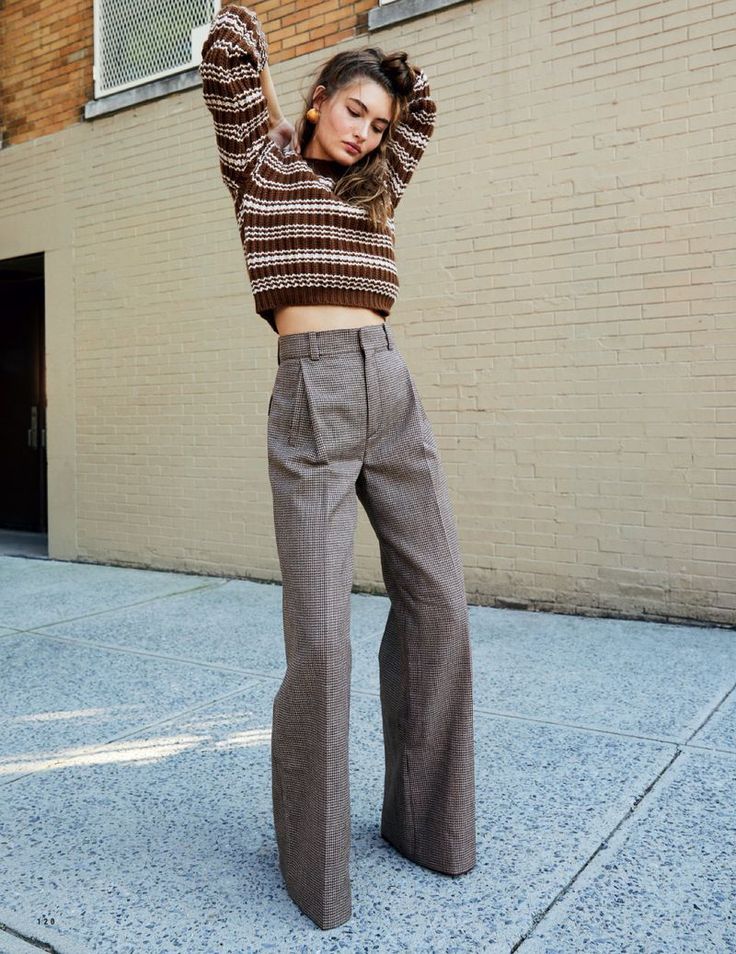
x: 284, y: 133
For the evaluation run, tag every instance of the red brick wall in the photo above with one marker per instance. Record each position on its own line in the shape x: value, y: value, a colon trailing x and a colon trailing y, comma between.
x: 296, y: 28
x: 46, y: 55
x: 47, y: 51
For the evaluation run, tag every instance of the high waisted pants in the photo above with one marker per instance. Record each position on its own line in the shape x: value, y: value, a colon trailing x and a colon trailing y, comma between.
x: 345, y: 422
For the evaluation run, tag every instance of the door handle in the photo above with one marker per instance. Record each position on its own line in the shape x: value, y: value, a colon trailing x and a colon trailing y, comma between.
x: 33, y: 429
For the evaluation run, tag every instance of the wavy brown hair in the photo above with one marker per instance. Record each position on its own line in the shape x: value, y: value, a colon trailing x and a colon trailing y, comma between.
x: 363, y: 183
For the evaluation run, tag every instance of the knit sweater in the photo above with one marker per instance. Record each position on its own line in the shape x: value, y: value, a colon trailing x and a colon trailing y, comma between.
x: 303, y: 244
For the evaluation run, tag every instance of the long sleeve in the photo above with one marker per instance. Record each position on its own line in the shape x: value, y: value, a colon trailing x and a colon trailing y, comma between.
x: 410, y: 138
x: 233, y: 56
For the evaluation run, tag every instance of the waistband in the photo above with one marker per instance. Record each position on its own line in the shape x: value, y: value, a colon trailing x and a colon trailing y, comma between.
x: 335, y: 341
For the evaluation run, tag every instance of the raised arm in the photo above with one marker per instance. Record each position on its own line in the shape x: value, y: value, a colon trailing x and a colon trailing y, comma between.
x: 234, y: 56
x: 407, y: 144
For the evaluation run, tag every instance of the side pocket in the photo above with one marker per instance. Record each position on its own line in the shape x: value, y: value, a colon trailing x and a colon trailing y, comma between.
x: 270, y: 402
x: 426, y: 423
x: 296, y: 413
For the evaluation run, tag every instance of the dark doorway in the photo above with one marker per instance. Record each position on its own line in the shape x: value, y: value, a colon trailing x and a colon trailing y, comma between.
x: 23, y: 492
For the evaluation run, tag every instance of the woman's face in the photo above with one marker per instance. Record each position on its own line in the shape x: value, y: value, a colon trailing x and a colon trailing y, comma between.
x: 357, y: 115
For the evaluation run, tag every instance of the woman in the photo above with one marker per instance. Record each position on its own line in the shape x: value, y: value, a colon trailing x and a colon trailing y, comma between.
x: 314, y: 206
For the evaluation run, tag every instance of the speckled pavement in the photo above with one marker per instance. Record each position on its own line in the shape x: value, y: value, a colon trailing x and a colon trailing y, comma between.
x: 135, y: 799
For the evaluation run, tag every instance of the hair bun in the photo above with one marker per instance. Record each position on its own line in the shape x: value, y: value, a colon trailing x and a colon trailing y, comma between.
x: 400, y: 73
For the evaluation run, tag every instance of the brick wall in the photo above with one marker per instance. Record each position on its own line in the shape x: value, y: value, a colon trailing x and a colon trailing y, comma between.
x: 47, y: 52
x: 566, y: 254
x: 46, y: 55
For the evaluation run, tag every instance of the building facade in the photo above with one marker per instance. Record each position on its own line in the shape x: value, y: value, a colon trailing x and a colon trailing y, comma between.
x: 566, y: 254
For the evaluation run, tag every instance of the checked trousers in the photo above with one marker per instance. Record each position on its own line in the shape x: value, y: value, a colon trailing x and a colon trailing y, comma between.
x: 346, y: 423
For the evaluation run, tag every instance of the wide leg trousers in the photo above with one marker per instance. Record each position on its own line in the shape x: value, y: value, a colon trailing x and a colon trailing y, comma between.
x: 345, y: 422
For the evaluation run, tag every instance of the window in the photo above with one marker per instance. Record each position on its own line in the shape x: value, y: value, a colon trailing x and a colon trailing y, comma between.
x: 139, y: 41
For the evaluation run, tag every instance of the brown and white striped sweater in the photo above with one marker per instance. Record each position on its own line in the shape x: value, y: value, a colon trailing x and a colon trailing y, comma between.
x: 303, y: 244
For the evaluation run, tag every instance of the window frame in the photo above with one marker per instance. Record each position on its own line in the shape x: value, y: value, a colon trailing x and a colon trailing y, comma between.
x: 198, y: 36
x: 386, y: 13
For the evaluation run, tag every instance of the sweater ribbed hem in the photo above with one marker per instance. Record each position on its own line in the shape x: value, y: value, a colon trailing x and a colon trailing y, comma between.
x: 267, y: 302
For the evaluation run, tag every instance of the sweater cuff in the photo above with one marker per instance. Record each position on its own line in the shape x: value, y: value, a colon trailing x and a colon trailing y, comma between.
x: 421, y: 108
x: 420, y: 90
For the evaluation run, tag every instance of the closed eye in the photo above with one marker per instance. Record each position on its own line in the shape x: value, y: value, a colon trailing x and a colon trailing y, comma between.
x: 353, y: 113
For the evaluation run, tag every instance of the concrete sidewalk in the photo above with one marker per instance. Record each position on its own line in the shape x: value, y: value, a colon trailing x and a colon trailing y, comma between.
x: 135, y: 790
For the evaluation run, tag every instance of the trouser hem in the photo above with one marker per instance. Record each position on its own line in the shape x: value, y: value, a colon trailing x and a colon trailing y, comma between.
x: 338, y: 918
x: 464, y: 864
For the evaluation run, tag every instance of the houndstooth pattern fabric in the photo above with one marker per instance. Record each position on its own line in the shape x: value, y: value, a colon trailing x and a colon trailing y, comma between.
x: 346, y: 423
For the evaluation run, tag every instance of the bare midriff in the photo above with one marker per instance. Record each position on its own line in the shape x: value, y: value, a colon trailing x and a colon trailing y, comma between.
x: 293, y: 319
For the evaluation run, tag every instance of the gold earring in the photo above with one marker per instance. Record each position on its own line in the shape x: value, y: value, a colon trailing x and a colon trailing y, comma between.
x: 313, y: 115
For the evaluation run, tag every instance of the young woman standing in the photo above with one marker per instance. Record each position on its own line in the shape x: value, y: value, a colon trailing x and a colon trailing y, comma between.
x: 314, y: 206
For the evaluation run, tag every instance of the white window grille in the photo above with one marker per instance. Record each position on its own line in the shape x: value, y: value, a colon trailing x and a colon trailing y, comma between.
x: 140, y: 40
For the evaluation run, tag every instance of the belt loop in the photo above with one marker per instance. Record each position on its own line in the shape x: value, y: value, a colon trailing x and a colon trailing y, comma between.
x: 389, y: 334
x: 313, y: 346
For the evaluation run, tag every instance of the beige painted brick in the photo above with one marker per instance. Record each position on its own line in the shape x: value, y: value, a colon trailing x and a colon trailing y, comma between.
x: 566, y: 252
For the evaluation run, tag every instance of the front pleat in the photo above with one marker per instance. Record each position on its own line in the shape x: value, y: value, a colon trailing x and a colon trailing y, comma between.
x: 281, y: 815
x: 309, y: 411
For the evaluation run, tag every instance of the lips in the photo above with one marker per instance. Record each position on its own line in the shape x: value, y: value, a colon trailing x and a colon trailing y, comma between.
x: 352, y: 149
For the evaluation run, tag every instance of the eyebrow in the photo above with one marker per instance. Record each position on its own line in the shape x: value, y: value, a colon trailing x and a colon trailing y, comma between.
x: 380, y: 119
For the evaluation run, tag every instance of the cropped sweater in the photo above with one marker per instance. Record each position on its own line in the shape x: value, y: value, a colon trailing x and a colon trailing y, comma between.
x: 303, y: 244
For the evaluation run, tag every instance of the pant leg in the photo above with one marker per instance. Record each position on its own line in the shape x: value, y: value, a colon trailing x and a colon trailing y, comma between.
x: 313, y: 465
x: 425, y: 660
